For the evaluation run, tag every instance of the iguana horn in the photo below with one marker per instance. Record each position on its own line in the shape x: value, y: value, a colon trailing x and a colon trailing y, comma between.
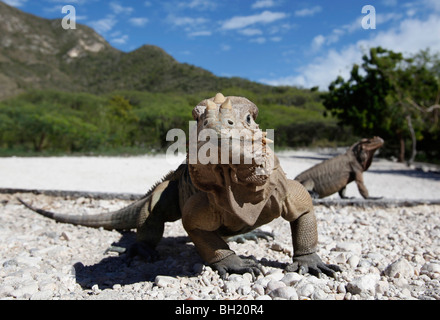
x: 219, y: 98
x: 210, y: 105
x: 226, y: 105
x: 267, y: 140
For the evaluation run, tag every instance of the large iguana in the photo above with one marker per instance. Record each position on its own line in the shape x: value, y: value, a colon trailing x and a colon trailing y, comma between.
x: 334, y: 174
x: 220, y: 200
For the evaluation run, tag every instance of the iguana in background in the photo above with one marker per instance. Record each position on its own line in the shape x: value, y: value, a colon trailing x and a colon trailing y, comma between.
x: 220, y: 200
x: 334, y: 174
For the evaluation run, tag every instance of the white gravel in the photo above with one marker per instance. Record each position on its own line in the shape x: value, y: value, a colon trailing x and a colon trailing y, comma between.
x: 135, y: 174
x: 385, y: 253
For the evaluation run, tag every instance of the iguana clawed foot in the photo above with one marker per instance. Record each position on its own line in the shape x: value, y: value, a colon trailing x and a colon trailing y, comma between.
x: 312, y: 263
x: 235, y: 264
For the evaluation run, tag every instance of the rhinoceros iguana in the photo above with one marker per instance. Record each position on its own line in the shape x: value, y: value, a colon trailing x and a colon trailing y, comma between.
x: 221, y: 198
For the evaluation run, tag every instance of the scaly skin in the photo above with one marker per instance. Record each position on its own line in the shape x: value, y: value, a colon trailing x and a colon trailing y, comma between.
x: 334, y: 174
x: 217, y: 200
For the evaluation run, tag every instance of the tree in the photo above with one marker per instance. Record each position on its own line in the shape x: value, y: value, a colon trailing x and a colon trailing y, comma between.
x: 122, y: 121
x: 378, y: 98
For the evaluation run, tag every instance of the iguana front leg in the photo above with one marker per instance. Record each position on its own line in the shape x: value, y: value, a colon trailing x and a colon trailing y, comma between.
x: 201, y: 223
x: 304, y: 233
x: 304, y: 238
x: 359, y: 178
x: 162, y: 206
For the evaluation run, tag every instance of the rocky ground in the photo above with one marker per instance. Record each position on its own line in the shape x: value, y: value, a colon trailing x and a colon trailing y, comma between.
x: 385, y: 253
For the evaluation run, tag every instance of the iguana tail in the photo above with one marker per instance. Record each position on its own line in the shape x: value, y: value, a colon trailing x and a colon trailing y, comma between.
x: 125, y: 218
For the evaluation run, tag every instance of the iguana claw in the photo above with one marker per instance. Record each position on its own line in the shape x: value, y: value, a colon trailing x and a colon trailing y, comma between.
x: 311, y: 263
x: 235, y: 264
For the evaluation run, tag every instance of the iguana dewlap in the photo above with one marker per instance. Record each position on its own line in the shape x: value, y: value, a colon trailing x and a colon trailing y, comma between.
x: 221, y: 198
x: 333, y: 175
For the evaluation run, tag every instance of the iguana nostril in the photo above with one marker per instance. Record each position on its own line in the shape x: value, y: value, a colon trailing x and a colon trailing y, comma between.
x: 230, y: 122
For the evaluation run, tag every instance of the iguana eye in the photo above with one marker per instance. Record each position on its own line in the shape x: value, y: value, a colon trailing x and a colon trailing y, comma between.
x: 248, y: 119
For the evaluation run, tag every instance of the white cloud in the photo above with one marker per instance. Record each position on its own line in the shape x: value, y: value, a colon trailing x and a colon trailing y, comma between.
x: 356, y: 24
x: 382, y: 18
x: 186, y: 21
x: 239, y: 22
x: 121, y: 40
x: 200, y: 33
x: 322, y: 71
x: 409, y: 37
x: 64, y: 2
x: 317, y: 42
x: 281, y: 28
x: 308, y: 12
x: 15, y: 3
x: 193, y: 26
x: 263, y: 4
x: 56, y: 8
x: 259, y: 40
x: 198, y: 4
x: 138, y: 22
x: 349, y: 28
x: 336, y: 34
x: 118, y: 9
x: 432, y: 4
x: 104, y: 25
x: 251, y: 32
x: 225, y: 47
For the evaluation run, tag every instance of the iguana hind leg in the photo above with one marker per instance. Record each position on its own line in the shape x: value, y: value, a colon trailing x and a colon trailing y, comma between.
x: 309, y: 184
x: 163, y: 206
x: 342, y: 193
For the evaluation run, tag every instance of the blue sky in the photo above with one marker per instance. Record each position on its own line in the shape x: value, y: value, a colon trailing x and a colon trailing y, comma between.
x: 279, y: 42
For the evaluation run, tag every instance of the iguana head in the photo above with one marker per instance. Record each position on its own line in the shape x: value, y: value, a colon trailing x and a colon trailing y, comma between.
x: 365, y: 149
x: 229, y: 138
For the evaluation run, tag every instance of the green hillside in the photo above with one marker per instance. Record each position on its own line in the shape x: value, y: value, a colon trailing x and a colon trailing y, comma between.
x: 55, y: 122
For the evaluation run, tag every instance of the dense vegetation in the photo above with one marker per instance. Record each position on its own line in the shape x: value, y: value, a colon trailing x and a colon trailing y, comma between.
x: 391, y: 96
x: 51, y: 122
